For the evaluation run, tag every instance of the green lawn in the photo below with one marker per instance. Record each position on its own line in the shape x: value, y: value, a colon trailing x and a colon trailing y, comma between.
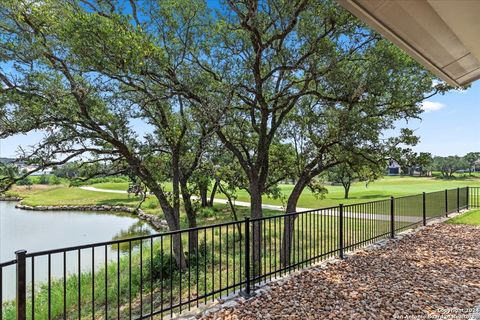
x: 112, y: 185
x: 383, y: 188
x: 471, y: 217
x: 64, y: 195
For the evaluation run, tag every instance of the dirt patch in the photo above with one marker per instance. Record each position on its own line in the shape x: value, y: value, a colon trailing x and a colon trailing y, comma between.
x: 33, y: 187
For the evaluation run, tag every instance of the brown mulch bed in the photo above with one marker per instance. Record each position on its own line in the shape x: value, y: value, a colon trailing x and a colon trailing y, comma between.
x: 422, y: 274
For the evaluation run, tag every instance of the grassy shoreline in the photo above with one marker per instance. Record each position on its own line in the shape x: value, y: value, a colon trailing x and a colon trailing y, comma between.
x: 360, y: 192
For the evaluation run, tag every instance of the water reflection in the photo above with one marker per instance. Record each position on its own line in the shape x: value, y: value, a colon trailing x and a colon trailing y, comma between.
x: 44, y: 230
x: 136, y: 230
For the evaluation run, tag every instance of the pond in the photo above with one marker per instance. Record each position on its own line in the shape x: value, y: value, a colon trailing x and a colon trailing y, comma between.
x: 44, y: 230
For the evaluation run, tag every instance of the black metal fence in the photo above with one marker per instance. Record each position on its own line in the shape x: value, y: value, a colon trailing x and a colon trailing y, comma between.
x: 145, y: 277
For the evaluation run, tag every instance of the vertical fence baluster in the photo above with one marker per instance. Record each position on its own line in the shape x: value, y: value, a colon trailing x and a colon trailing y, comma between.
x: 392, y: 217
x: 65, y: 285
x: 33, y: 289
x: 269, y: 248
x: 106, y: 282
x: 79, y: 259
x: 130, y: 279
x: 264, y: 253
x: 189, y: 266
x: 93, y: 283
x: 118, y: 280
x: 180, y: 276
x: 297, y: 237
x: 161, y: 276
x: 424, y: 208
x: 247, y: 258
x: 170, y: 303
x: 468, y: 198
x: 274, y: 246
x: 340, y: 231
x: 151, y: 274
x: 234, y: 252
x: 213, y: 263
x: 1, y: 294
x: 141, y: 278
x: 446, y: 203
x: 458, y: 199
x: 205, y: 264
x: 227, y: 262
x: 49, y: 286
x: 21, y: 285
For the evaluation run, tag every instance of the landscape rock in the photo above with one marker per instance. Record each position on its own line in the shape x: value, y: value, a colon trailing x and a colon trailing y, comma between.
x: 9, y: 198
x: 432, y: 273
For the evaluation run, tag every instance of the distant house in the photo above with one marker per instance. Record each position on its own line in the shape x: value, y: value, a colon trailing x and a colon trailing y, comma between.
x: 393, y: 168
x: 476, y: 166
x: 30, y: 167
x: 23, y: 167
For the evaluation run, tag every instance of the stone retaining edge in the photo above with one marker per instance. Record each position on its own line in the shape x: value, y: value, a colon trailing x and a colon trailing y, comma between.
x: 154, y: 221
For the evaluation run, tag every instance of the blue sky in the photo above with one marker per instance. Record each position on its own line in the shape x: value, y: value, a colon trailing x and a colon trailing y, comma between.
x: 450, y: 125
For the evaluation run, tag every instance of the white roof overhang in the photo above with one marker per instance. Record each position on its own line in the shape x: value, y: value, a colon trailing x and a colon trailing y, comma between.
x: 442, y: 35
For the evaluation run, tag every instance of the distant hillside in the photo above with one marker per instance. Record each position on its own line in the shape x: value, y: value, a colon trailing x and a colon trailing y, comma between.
x: 7, y: 160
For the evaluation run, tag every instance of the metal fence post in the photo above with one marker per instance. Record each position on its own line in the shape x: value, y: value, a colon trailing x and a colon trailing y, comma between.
x: 446, y: 203
x: 468, y: 198
x: 458, y: 199
x: 340, y: 233
x: 424, y: 209
x: 247, y: 292
x: 392, y: 217
x: 21, y: 285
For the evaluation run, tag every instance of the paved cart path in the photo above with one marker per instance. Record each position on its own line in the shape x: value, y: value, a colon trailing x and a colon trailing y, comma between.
x: 430, y: 274
x: 216, y: 200
x: 357, y: 215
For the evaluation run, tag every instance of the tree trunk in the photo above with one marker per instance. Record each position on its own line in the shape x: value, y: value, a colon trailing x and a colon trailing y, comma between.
x: 346, y: 188
x: 232, y: 208
x: 177, y: 238
x: 203, y: 189
x: 289, y: 222
x: 191, y: 217
x: 173, y: 222
x: 213, y: 193
x: 256, y: 234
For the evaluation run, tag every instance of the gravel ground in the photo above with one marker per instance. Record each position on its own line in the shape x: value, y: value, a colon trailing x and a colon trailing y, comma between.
x: 432, y: 272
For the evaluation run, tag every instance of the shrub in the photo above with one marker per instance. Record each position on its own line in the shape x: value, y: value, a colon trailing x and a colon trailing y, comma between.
x: 207, y: 212
x: 44, y: 179
x: 55, y: 180
x: 150, y: 204
x: 163, y: 266
x: 24, y: 182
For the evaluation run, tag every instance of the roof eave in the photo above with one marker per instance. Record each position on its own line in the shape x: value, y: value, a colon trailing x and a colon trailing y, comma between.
x: 391, y: 35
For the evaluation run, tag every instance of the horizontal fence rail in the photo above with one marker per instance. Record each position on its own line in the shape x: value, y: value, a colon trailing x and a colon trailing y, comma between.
x: 161, y: 275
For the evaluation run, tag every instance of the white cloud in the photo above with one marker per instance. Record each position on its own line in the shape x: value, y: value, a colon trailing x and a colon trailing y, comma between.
x: 436, y: 82
x: 428, y: 106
